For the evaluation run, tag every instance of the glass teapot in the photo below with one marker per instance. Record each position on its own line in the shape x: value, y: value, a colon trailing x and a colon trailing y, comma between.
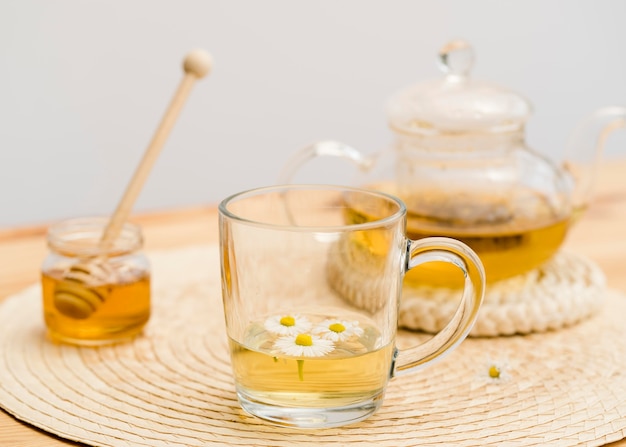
x: 460, y: 163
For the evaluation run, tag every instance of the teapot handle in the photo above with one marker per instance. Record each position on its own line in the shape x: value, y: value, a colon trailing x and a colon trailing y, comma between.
x: 585, y: 149
x: 325, y: 148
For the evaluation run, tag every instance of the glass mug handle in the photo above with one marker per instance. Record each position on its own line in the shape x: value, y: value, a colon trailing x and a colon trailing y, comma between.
x: 457, y: 253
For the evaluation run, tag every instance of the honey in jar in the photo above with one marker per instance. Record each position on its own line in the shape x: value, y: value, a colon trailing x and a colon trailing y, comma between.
x: 94, y: 294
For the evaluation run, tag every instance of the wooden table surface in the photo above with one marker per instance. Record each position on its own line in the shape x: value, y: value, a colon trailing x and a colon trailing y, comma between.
x: 600, y: 235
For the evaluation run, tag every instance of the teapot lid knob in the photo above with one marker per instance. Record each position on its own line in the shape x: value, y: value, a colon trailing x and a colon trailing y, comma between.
x: 457, y: 103
x: 456, y: 58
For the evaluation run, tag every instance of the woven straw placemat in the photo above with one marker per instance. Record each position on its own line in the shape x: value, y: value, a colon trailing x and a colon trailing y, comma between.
x: 172, y: 386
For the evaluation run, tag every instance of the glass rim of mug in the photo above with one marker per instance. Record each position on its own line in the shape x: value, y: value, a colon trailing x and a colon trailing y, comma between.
x: 264, y: 190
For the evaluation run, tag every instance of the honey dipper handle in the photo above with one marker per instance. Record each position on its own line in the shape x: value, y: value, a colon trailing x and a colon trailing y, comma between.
x: 196, y: 65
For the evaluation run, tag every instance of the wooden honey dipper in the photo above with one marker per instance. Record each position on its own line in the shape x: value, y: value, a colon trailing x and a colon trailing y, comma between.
x: 73, y: 296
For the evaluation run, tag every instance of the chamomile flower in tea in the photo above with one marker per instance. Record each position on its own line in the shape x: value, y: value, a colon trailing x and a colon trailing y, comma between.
x: 287, y: 324
x: 338, y: 330
x: 304, y: 345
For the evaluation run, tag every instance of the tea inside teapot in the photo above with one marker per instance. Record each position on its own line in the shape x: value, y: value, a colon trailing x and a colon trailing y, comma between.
x: 510, y: 236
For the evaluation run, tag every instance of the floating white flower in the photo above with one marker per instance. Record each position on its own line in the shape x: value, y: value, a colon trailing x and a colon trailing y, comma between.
x: 338, y: 330
x: 287, y: 324
x: 304, y: 345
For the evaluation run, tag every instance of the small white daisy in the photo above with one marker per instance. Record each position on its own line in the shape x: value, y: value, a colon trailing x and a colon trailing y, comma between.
x: 495, y: 371
x: 338, y: 330
x: 304, y: 345
x: 287, y: 324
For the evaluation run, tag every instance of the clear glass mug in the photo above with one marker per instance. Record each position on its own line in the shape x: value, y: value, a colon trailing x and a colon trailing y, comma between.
x: 311, y: 279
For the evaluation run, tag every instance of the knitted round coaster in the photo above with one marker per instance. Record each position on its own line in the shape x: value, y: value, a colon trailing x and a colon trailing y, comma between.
x: 173, y: 385
x: 561, y: 292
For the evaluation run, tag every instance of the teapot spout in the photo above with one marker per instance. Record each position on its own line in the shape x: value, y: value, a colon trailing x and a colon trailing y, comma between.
x: 585, y: 148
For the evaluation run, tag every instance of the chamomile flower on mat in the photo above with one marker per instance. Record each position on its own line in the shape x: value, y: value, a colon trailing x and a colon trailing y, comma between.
x: 338, y: 330
x: 287, y: 324
x: 495, y: 371
x: 304, y: 345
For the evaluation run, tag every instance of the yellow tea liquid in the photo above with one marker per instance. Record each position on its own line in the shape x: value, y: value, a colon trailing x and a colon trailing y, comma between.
x: 508, y: 248
x: 355, y: 371
x: 122, y: 314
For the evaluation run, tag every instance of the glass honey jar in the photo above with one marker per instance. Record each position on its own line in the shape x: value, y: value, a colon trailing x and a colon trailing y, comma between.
x: 94, y: 293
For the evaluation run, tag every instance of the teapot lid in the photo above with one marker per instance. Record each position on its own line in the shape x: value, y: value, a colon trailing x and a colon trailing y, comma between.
x: 457, y: 103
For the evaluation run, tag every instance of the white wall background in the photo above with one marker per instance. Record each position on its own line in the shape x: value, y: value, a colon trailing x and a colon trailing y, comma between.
x: 83, y: 85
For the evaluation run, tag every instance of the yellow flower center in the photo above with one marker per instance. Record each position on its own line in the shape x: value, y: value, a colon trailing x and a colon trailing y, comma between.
x: 494, y: 372
x: 304, y: 340
x: 287, y: 321
x: 337, y: 327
